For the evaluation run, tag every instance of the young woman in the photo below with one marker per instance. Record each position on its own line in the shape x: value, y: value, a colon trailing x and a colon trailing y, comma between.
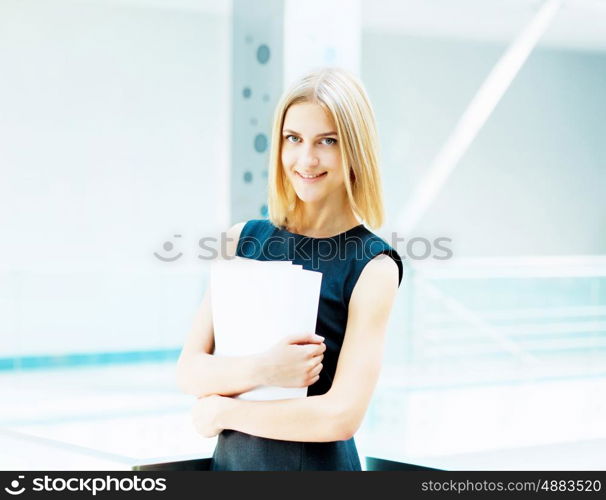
x: 323, y: 181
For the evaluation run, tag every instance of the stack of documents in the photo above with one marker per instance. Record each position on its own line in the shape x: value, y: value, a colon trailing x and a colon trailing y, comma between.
x: 257, y: 303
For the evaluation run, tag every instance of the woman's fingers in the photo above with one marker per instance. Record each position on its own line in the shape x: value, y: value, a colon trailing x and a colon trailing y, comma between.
x: 314, y: 350
x: 316, y: 370
x: 314, y: 361
x: 304, y: 338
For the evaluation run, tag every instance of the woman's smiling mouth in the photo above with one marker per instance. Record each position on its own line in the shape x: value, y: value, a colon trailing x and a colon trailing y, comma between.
x: 310, y: 179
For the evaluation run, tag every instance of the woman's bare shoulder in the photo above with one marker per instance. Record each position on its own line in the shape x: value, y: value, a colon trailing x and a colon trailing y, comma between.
x: 232, y: 236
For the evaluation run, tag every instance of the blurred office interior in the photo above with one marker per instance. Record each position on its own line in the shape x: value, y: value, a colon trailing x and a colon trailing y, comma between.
x: 131, y: 129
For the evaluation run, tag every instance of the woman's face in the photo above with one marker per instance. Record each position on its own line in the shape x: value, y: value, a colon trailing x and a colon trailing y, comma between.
x: 310, y: 148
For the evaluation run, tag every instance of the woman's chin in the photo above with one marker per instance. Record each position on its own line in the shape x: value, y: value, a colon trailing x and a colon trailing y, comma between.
x: 307, y: 197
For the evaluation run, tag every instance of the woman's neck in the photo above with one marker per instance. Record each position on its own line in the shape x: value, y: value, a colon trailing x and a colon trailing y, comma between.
x: 323, y: 224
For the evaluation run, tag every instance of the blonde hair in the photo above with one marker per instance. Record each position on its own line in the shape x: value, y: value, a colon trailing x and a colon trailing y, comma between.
x: 343, y: 97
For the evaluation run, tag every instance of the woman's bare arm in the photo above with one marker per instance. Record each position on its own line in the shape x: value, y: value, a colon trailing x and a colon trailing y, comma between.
x: 337, y: 414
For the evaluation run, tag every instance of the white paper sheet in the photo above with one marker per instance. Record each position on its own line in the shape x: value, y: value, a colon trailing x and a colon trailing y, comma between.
x: 257, y: 303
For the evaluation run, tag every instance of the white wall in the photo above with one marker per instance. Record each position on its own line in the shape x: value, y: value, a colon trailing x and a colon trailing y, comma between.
x: 113, y: 137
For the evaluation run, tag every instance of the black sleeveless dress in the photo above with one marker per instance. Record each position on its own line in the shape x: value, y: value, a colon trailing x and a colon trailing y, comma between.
x: 340, y: 259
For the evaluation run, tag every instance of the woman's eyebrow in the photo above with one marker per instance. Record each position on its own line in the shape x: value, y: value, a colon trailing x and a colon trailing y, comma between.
x: 297, y: 133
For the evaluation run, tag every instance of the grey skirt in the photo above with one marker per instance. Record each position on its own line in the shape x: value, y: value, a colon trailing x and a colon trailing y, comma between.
x: 239, y: 451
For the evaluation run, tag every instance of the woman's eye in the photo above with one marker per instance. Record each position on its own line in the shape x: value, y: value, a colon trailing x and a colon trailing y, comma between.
x: 287, y: 137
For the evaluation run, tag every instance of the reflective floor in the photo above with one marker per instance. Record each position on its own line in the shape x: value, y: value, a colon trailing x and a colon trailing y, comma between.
x: 114, y: 417
x: 108, y: 418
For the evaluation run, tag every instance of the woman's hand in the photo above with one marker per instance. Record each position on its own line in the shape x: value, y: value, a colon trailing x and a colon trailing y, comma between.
x: 295, y: 361
x: 205, y: 414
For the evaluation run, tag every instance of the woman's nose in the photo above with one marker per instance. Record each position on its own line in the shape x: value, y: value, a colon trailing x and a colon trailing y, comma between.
x: 309, y: 157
